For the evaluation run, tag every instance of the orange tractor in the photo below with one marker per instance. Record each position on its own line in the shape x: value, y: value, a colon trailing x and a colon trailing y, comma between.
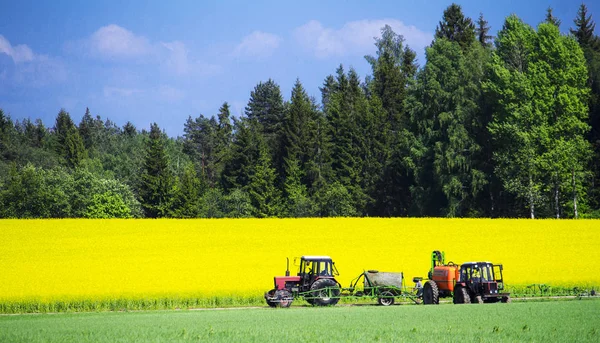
x: 472, y: 282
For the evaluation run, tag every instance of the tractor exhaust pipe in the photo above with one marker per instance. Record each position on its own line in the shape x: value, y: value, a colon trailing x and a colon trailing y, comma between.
x: 287, y: 269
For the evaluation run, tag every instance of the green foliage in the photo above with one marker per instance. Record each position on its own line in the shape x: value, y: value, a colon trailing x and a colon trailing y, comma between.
x: 238, y: 204
x: 337, y: 202
x: 539, y: 82
x: 107, y: 205
x: 510, y: 131
x: 31, y: 192
x: 213, y: 204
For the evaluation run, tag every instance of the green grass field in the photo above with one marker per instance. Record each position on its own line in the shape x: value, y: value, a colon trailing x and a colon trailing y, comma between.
x: 552, y: 321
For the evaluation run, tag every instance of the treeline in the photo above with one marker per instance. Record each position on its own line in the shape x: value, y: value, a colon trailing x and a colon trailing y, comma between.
x: 503, y: 129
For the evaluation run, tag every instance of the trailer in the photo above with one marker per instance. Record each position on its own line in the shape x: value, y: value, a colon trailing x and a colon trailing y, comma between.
x: 386, y: 287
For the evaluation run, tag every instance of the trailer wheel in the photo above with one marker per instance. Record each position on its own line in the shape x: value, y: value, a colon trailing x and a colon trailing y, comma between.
x: 386, y: 298
x: 284, y: 298
x: 461, y: 295
x: 325, y: 292
x: 431, y: 293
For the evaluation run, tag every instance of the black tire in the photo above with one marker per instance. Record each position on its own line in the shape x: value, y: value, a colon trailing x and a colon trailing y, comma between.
x: 284, y: 298
x: 386, y: 298
x: 461, y: 295
x: 506, y: 299
x: 325, y: 292
x: 271, y: 294
x: 431, y: 293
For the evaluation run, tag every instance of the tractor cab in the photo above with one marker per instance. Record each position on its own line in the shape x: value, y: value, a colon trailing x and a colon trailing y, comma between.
x: 313, y: 268
x: 482, y: 278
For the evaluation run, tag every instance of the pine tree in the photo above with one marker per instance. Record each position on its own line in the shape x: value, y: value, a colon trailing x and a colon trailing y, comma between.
x: 456, y: 27
x: 63, y: 125
x: 200, y: 144
x: 551, y: 19
x: 264, y: 195
x: 590, y: 44
x: 243, y: 155
x: 157, y: 181
x: 266, y: 107
x: 392, y: 68
x: 188, y: 194
x: 85, y: 129
x: 443, y: 114
x: 296, y: 200
x: 74, y: 149
x: 482, y: 32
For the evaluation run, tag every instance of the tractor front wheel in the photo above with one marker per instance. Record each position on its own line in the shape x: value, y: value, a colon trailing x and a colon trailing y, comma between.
x: 284, y: 298
x: 325, y: 292
x: 431, y: 293
x: 271, y: 295
x: 386, y: 298
x: 461, y: 295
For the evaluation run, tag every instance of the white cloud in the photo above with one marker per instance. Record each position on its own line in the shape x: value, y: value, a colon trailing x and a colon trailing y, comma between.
x: 19, y: 53
x: 258, y: 44
x: 119, y: 45
x: 29, y: 68
x: 114, y: 41
x: 355, y: 37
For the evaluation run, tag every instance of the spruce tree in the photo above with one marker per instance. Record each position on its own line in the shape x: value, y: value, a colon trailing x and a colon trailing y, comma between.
x: 264, y: 195
x: 455, y: 27
x: 551, y: 19
x: 482, y: 32
x: 590, y: 44
x: 157, y: 181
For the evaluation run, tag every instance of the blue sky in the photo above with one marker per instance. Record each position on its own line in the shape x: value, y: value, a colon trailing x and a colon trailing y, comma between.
x: 162, y: 61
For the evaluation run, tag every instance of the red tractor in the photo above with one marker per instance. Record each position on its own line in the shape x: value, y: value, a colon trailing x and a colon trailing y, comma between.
x: 472, y: 282
x: 315, y: 283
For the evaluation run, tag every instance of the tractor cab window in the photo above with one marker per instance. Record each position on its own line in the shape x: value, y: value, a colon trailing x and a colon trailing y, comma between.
x: 487, y: 274
x: 471, y: 273
x: 322, y: 268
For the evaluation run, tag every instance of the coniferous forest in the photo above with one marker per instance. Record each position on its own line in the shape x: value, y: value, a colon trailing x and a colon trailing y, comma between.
x: 505, y: 126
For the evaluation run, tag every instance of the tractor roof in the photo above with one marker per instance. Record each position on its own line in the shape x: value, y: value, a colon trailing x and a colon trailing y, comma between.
x: 472, y: 263
x: 316, y: 258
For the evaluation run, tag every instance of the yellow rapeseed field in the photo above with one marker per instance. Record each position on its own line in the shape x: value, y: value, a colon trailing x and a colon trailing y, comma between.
x: 51, y: 260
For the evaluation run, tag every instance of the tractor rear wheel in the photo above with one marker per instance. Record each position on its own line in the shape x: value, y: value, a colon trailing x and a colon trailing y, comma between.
x: 461, y: 295
x: 325, y: 292
x: 386, y: 298
x: 431, y: 293
x: 284, y: 298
